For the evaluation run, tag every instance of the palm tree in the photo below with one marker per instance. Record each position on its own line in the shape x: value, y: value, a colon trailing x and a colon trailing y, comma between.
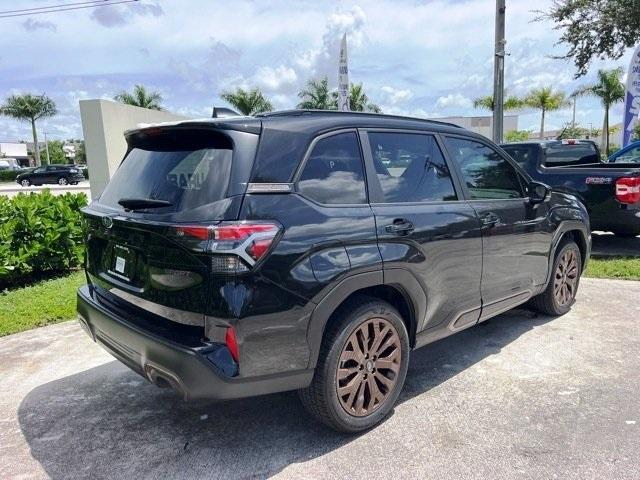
x: 609, y: 90
x: 317, y: 96
x: 30, y: 107
x: 487, y: 103
x: 358, y: 100
x: 140, y: 98
x: 249, y: 102
x: 546, y: 100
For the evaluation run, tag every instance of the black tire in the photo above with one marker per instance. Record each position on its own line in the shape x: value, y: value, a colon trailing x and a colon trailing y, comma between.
x: 626, y: 233
x: 25, y: 182
x: 321, y: 398
x: 547, y: 302
x: 63, y: 181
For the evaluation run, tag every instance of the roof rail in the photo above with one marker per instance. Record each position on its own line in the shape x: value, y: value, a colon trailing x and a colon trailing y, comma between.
x: 293, y: 112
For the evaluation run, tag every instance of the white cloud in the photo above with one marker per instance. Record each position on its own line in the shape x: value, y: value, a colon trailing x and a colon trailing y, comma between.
x: 454, y: 100
x: 275, y: 79
x: 395, y: 96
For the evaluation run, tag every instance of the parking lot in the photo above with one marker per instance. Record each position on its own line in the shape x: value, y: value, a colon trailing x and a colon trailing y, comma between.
x: 522, y: 396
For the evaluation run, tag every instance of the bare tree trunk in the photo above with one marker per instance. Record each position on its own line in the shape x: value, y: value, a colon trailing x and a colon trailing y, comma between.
x: 542, y: 125
x: 605, y: 130
x: 36, y: 148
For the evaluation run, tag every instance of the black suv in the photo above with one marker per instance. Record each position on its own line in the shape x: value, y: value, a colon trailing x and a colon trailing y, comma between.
x: 313, y: 251
x: 57, y: 174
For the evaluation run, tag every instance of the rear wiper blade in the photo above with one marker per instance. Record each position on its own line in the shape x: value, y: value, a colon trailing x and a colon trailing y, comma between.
x: 140, y: 203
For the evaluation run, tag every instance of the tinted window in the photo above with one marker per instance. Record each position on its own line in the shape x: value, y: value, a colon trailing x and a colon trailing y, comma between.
x: 410, y: 167
x: 333, y: 173
x: 525, y: 155
x: 567, y: 154
x: 186, y: 169
x: 486, y: 174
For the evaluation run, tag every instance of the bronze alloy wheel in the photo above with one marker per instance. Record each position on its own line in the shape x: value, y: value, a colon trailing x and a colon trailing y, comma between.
x: 368, y: 367
x: 566, y: 278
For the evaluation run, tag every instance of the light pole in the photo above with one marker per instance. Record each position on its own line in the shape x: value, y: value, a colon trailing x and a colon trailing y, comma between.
x: 498, y: 73
x: 46, y: 146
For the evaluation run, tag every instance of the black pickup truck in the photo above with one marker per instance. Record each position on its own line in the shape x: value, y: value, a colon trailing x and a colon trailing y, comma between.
x: 611, y: 192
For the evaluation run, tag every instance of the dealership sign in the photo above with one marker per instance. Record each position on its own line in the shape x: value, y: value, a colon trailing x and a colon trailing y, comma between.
x: 632, y: 98
x: 343, y: 77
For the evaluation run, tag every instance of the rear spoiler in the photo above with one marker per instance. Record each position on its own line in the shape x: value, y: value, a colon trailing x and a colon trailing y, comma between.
x: 240, y: 124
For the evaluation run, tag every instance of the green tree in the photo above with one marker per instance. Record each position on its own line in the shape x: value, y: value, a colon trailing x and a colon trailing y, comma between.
x: 546, y: 100
x: 358, y: 100
x: 56, y: 152
x: 248, y: 102
x: 29, y: 108
x: 594, y: 28
x: 487, y: 103
x: 140, y: 97
x: 317, y: 96
x: 81, y: 154
x: 610, y: 90
x: 517, y: 135
x: 636, y: 132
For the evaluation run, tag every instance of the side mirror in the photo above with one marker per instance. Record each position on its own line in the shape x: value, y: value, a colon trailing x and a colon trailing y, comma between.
x: 538, y: 192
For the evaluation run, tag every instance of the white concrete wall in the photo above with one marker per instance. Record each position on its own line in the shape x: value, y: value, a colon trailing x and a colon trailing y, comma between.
x: 103, y: 125
x: 482, y: 125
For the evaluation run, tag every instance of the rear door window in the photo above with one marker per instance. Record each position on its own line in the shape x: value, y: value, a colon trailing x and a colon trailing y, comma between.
x: 333, y: 173
x: 410, y: 168
x: 187, y: 170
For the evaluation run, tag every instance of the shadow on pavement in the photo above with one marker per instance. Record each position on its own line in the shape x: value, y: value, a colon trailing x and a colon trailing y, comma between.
x: 109, y: 422
x: 608, y: 245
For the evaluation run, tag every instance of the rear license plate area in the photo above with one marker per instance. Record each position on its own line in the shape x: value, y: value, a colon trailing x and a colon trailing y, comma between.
x: 122, y: 262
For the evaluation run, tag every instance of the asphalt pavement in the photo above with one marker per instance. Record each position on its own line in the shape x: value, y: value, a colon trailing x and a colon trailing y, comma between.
x: 523, y: 396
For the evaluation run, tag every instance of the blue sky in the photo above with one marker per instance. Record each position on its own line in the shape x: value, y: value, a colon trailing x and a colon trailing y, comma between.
x: 428, y: 58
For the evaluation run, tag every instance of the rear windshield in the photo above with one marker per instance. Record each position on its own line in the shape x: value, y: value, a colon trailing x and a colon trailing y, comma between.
x: 187, y: 169
x: 576, y: 154
x: 524, y: 155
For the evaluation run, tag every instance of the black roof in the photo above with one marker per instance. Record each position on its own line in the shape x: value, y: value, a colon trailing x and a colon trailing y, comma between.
x: 308, y: 122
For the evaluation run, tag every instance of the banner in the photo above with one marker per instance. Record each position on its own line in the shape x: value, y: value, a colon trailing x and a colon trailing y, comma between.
x: 632, y: 98
x: 343, y: 77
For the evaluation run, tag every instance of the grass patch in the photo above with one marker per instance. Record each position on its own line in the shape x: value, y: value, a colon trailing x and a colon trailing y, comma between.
x: 46, y: 302
x: 616, y: 267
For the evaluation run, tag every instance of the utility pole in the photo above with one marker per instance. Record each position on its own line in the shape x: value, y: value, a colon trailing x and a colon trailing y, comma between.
x: 46, y: 146
x: 498, y: 74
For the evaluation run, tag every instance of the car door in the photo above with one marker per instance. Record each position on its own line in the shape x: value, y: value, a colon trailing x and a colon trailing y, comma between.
x: 424, y: 229
x: 515, y: 233
x: 38, y: 175
x: 51, y: 174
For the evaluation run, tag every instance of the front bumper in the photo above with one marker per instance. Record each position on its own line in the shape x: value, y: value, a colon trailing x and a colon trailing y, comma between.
x: 186, y: 369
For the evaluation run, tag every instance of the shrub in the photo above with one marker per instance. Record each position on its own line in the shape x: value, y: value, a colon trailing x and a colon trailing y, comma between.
x: 9, y: 175
x: 40, y: 234
x: 517, y: 136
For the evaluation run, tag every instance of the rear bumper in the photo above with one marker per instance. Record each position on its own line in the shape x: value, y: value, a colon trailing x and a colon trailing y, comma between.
x: 618, y: 219
x: 185, y: 369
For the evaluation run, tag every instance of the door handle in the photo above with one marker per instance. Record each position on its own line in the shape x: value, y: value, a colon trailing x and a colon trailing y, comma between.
x: 490, y: 219
x: 400, y: 226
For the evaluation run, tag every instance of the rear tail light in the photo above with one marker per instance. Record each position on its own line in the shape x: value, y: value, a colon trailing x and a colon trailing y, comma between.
x: 236, y: 246
x: 628, y: 190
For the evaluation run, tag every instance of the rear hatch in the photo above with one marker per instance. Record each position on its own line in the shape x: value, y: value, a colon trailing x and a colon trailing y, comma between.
x: 146, y: 251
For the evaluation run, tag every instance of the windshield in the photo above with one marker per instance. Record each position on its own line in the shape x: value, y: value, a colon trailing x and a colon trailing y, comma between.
x: 183, y: 169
